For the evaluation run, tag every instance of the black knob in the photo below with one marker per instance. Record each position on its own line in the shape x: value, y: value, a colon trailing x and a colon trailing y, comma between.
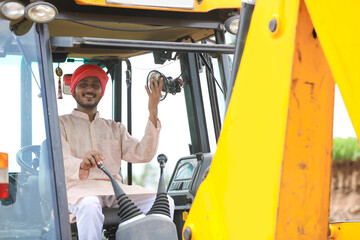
x: 273, y: 25
x: 187, y: 233
x: 199, y: 156
x: 162, y: 159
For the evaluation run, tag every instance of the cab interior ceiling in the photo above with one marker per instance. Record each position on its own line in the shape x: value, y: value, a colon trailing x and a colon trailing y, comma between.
x: 116, y: 30
x: 129, y: 24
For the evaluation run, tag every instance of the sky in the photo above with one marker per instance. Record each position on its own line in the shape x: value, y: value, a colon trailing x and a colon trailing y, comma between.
x: 342, y: 124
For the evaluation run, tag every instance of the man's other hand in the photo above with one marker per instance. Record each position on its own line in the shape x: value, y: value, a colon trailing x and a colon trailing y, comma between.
x: 91, y: 159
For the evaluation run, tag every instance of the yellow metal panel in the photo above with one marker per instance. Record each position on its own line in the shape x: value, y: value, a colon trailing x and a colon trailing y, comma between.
x: 337, y: 25
x: 239, y: 198
x: 205, y: 6
x: 345, y: 231
x: 303, y: 210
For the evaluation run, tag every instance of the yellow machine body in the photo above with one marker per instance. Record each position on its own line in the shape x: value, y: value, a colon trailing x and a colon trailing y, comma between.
x: 273, y: 161
x: 344, y: 230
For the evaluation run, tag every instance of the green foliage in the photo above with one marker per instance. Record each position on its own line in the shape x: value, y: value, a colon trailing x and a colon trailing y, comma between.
x: 150, y: 176
x: 346, y: 149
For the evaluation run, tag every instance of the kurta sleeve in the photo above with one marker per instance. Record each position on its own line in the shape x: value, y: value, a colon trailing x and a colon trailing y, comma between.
x: 136, y: 151
x: 71, y: 163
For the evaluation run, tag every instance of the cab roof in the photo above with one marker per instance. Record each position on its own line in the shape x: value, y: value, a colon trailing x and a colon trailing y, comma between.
x: 143, y: 24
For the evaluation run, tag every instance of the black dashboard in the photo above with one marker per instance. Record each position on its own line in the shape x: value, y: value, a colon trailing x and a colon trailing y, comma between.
x: 189, y: 172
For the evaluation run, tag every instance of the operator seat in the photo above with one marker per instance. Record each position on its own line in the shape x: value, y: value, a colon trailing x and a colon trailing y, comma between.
x: 111, y: 223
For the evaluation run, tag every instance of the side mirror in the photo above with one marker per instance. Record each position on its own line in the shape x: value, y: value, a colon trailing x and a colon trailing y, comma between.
x: 170, y: 85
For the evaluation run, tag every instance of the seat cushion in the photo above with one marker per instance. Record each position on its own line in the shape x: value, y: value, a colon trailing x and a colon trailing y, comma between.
x: 111, y: 219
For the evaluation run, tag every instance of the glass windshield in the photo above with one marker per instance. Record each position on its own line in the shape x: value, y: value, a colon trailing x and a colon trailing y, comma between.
x: 29, y: 210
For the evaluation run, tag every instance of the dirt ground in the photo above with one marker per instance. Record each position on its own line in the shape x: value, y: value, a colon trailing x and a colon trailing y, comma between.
x: 345, y: 191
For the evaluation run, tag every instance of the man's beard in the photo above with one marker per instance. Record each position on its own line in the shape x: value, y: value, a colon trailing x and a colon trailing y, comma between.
x: 86, y: 105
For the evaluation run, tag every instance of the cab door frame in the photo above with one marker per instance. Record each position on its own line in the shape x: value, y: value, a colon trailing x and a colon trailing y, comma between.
x: 52, y: 122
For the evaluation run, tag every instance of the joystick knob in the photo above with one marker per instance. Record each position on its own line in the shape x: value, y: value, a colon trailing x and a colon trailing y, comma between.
x: 162, y: 159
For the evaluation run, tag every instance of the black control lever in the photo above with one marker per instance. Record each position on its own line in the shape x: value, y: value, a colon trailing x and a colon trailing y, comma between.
x: 127, y: 209
x: 162, y: 159
x: 150, y: 226
x: 161, y: 204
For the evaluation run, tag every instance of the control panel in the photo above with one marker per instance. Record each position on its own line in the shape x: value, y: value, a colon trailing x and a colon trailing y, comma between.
x: 189, y: 172
x: 184, y: 173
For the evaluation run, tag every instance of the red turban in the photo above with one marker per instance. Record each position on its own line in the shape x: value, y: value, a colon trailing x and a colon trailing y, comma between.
x: 88, y: 70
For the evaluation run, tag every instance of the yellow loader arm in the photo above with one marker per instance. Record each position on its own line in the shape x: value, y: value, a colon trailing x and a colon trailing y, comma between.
x: 270, y: 177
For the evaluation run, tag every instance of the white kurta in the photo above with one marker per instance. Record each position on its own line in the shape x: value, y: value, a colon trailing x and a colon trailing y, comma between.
x: 111, y: 139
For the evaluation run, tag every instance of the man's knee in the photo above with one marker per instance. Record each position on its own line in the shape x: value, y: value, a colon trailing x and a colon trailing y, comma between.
x: 90, y: 206
x: 90, y: 202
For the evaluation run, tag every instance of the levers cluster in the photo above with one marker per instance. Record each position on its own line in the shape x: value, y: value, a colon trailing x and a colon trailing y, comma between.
x: 135, y: 225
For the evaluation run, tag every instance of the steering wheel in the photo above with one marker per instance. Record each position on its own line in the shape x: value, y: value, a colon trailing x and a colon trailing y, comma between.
x: 29, y: 164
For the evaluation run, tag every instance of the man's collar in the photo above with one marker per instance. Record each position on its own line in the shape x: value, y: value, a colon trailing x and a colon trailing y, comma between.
x: 80, y: 114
